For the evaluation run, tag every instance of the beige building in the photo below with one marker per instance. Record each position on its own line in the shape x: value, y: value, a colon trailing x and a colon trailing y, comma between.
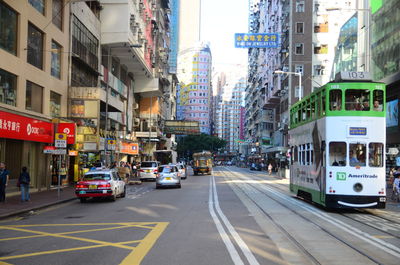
x: 34, y: 46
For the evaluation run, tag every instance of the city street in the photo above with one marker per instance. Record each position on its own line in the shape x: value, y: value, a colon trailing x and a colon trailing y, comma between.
x: 234, y: 216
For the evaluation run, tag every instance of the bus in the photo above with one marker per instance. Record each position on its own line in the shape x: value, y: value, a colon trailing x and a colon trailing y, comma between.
x: 337, y: 138
x: 202, y: 163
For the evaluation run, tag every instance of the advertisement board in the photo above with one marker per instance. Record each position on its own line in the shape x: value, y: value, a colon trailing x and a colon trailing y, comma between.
x: 69, y: 130
x: 392, y: 113
x: 19, y: 127
x: 257, y: 40
x: 181, y: 127
x: 129, y: 148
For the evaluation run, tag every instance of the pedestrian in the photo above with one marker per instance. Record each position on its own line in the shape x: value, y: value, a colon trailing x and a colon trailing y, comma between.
x: 270, y: 168
x: 4, y: 177
x: 396, y: 184
x: 63, y: 173
x: 24, y: 180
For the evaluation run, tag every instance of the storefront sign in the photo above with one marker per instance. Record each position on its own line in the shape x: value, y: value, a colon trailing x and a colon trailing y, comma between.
x: 69, y: 130
x: 48, y: 149
x: 73, y: 153
x: 19, y: 127
x: 90, y: 146
x: 129, y: 148
x: 60, y: 152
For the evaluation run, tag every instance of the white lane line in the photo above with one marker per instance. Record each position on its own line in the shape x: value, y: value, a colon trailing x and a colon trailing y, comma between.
x: 243, y: 246
x: 225, y: 238
x: 383, y: 245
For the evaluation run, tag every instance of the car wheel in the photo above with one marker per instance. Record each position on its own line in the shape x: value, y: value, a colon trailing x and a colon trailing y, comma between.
x: 83, y: 200
x: 179, y: 186
x: 124, y: 193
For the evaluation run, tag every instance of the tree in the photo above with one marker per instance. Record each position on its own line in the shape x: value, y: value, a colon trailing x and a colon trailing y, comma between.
x: 196, y: 143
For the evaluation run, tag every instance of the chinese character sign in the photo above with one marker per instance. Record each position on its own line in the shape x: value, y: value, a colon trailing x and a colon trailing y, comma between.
x: 256, y: 40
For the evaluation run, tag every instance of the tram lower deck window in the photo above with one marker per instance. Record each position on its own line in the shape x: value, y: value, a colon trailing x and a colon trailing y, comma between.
x: 357, y: 154
x: 375, y: 155
x: 337, y: 154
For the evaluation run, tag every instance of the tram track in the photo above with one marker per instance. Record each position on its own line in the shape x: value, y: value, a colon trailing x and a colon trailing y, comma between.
x: 382, y: 218
x: 394, y: 251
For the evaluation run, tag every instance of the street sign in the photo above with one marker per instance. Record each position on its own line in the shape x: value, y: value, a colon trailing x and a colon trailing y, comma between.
x: 60, y: 152
x: 60, y: 140
x: 48, y: 149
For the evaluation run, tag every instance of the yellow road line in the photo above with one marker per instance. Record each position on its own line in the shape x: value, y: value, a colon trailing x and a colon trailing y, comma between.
x: 49, y: 252
x: 20, y: 237
x: 137, y: 255
x: 86, y: 224
x: 70, y: 237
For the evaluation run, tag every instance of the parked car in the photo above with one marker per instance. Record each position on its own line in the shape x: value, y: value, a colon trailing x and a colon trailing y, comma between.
x: 100, y: 183
x: 148, y: 170
x: 255, y: 166
x: 168, y: 175
x: 182, y: 170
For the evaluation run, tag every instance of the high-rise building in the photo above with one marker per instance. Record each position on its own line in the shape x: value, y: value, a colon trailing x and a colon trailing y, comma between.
x: 194, y: 93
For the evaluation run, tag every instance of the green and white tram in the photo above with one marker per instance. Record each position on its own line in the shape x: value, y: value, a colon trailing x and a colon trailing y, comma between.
x: 337, y: 140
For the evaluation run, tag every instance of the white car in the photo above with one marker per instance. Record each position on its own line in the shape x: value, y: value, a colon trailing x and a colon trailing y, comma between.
x: 182, y: 170
x: 148, y: 169
x: 100, y: 183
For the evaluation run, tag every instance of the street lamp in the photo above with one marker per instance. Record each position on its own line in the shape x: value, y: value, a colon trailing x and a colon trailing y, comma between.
x: 279, y: 72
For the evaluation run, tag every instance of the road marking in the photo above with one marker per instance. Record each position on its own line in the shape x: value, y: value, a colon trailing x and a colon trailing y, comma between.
x: 135, y: 257
x: 225, y: 238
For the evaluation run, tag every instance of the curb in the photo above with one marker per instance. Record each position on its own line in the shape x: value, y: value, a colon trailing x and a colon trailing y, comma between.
x: 12, y: 214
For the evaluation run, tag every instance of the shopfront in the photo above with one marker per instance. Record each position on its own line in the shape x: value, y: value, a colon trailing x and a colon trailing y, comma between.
x: 22, y: 140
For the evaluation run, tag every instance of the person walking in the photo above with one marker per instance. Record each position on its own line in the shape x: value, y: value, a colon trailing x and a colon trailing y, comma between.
x: 24, y: 180
x: 4, y: 177
x: 270, y: 168
x: 396, y: 185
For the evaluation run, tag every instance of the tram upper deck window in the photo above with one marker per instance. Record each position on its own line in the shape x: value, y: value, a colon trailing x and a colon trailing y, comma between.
x: 378, y: 100
x: 337, y: 154
x: 357, y: 99
x: 357, y: 155
x: 335, y: 99
x: 375, y: 155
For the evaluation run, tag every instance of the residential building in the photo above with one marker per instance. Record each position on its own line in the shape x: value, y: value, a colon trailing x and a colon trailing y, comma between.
x: 34, y: 49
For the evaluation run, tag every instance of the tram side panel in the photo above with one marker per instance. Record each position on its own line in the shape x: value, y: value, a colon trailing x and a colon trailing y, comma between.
x: 307, y: 169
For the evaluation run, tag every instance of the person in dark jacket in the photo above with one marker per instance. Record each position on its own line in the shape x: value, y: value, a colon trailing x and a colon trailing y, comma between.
x: 24, y: 181
x: 4, y: 176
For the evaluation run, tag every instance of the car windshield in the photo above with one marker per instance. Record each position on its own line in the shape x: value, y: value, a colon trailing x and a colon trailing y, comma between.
x: 99, y: 176
x: 167, y: 169
x: 148, y: 164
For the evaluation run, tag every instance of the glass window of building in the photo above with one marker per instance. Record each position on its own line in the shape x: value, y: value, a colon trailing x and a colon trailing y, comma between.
x: 299, y: 27
x: 8, y: 88
x: 34, y: 97
x: 39, y: 5
x: 35, y: 46
x: 8, y: 29
x: 57, y: 14
x: 55, y: 104
x: 299, y: 48
x: 299, y: 5
x: 55, y: 59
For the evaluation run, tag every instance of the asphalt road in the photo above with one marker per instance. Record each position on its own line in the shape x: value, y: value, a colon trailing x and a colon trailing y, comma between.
x: 232, y: 217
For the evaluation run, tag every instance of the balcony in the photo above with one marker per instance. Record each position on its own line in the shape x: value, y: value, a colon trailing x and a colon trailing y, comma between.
x: 96, y: 93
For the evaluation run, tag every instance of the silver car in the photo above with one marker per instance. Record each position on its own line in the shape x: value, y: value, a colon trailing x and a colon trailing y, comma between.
x: 148, y: 169
x: 168, y: 175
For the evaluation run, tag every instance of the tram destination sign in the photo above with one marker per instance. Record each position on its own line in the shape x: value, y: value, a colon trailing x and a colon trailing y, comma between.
x: 357, y: 131
x: 352, y: 76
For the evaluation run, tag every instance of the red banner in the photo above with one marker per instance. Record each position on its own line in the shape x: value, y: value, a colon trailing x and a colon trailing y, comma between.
x: 69, y: 130
x: 15, y: 126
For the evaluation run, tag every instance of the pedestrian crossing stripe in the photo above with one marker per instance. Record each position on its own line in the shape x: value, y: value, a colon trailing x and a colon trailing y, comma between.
x: 138, y: 252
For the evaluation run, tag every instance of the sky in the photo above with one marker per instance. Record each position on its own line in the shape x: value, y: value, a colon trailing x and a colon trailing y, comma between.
x: 220, y: 20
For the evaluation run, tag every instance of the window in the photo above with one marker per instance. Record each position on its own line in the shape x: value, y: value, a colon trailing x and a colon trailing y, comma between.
x: 38, y: 5
x: 378, y: 100
x: 34, y: 97
x: 84, y: 44
x: 375, y: 155
x: 319, y: 69
x: 357, y: 155
x: 8, y: 88
x: 335, y: 100
x: 57, y: 13
x: 299, y: 27
x: 35, y: 46
x: 323, y: 106
x: 337, y: 154
x: 299, y: 5
x: 299, y: 48
x: 55, y: 60
x: 357, y: 99
x: 8, y: 29
x: 321, y: 49
x: 55, y: 104
x: 299, y: 68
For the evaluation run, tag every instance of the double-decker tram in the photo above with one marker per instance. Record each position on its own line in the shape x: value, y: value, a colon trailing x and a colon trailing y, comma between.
x: 337, y: 141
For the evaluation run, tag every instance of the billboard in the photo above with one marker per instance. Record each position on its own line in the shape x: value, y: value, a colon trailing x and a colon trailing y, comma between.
x: 256, y: 40
x: 392, y: 113
x: 181, y: 127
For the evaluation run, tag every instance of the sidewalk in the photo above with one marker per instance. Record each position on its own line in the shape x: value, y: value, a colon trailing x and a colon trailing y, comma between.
x: 13, y: 205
